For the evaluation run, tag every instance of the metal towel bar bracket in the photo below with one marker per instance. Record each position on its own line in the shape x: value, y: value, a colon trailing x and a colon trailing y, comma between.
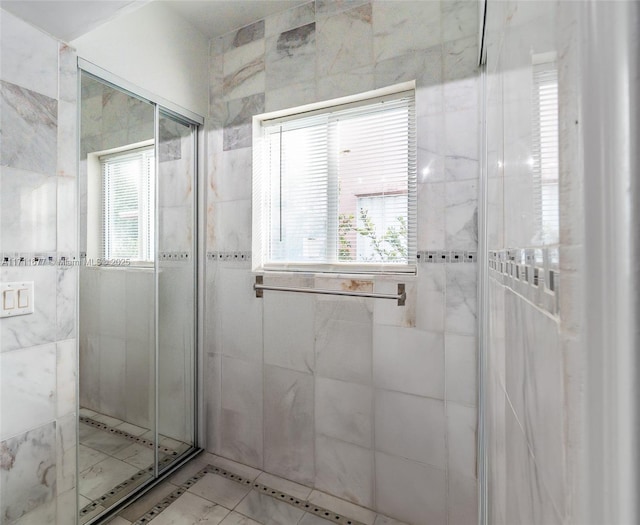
x: 401, y: 296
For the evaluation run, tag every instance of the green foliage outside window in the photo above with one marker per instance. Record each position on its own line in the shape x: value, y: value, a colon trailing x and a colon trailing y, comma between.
x: 391, y: 246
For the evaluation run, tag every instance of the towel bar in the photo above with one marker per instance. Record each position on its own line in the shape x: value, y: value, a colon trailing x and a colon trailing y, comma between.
x: 401, y: 296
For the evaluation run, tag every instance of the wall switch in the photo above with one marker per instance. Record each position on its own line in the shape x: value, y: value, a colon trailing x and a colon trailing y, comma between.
x: 17, y: 298
x: 23, y: 297
x: 9, y: 299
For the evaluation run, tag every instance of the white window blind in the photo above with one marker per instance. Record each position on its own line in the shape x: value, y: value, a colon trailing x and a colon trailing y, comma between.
x: 128, y: 205
x: 338, y: 187
x: 545, y: 150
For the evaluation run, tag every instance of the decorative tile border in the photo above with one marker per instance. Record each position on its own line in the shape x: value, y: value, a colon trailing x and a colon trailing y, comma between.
x: 238, y: 257
x: 530, y: 272
x: 67, y: 259
x: 175, y: 256
x: 131, y: 437
x: 443, y: 256
x: 421, y: 256
x: 302, y: 504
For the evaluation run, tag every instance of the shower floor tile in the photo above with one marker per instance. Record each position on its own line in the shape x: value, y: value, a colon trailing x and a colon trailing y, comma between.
x: 137, y: 455
x: 86, y: 431
x: 87, y: 457
x: 189, y: 509
x: 87, y: 412
x: 238, y: 519
x: 100, y: 478
x: 113, y: 461
x: 214, y: 490
x: 105, y: 442
x: 132, y: 429
x: 265, y: 509
x: 107, y: 420
x: 220, y: 490
x: 141, y: 506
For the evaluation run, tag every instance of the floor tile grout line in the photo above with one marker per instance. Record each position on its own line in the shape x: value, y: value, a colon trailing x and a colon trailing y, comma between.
x: 303, y: 504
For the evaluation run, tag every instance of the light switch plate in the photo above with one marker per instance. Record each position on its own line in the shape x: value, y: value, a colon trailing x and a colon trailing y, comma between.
x: 16, y: 298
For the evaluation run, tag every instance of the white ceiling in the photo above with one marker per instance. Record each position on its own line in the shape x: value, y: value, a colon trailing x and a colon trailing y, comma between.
x: 217, y: 17
x: 70, y: 19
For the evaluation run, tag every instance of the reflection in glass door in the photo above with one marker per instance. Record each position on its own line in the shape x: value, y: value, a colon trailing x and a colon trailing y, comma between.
x: 176, y: 282
x: 117, y: 299
x: 137, y: 329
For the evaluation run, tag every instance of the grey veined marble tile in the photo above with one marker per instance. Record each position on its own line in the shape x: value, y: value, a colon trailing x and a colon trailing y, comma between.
x: 237, y: 130
x: 290, y: 56
x: 269, y: 511
x: 28, y: 56
x: 238, y: 519
x: 29, y: 123
x: 28, y: 387
x: 330, y: 7
x: 244, y: 71
x: 102, y: 477
x: 220, y: 490
x: 336, y: 35
x: 244, y: 35
x: 28, y: 209
x: 189, y: 509
x: 294, y: 17
x: 288, y: 431
x: 39, y: 328
x: 27, y: 471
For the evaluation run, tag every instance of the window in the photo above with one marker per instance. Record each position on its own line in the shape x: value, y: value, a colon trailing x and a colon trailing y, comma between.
x: 128, y: 205
x: 335, y: 187
x: 545, y: 147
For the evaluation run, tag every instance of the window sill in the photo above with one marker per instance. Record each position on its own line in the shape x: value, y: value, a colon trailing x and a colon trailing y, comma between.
x: 339, y: 271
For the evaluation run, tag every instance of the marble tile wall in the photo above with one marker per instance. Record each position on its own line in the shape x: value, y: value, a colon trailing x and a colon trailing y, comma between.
x: 116, y: 343
x: 37, y: 215
x: 530, y: 383
x: 363, y: 399
x: 117, y: 305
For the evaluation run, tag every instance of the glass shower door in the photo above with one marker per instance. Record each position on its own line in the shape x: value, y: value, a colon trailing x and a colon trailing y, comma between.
x: 137, y: 331
x: 117, y: 407
x: 176, y: 286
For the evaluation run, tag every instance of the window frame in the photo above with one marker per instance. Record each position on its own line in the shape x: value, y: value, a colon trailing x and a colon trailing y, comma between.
x: 261, y: 202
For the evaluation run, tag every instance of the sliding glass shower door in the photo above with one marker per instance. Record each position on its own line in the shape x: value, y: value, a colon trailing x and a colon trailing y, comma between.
x: 176, y: 281
x: 137, y: 330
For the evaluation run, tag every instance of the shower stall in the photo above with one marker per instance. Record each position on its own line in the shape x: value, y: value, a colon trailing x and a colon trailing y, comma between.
x: 137, y: 293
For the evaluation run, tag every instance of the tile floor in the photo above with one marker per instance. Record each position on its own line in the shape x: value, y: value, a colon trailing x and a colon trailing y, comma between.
x: 211, y: 490
x: 111, y: 462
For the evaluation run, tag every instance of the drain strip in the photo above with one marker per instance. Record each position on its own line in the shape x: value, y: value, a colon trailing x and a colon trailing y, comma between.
x: 305, y: 505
